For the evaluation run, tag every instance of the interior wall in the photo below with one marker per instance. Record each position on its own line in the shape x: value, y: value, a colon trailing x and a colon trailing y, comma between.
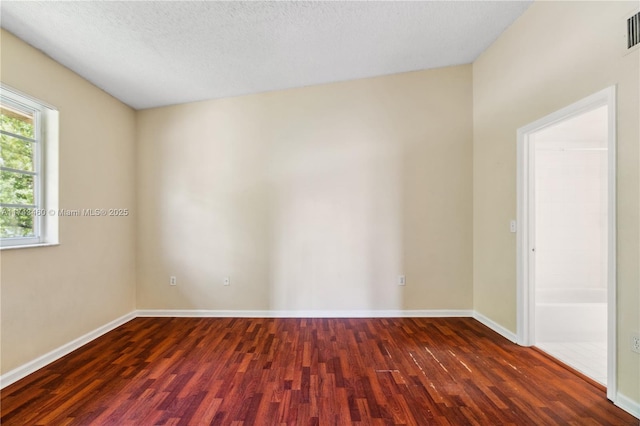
x: 571, y: 181
x: 53, y: 295
x: 571, y: 224
x: 312, y: 199
x: 536, y: 67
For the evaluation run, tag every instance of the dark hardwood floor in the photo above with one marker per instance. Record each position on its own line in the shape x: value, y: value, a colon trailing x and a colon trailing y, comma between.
x: 244, y: 371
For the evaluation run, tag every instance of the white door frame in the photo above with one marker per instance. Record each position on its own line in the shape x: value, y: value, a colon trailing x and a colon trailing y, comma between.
x: 525, y: 236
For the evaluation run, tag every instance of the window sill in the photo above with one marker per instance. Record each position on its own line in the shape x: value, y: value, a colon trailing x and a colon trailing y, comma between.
x: 29, y: 246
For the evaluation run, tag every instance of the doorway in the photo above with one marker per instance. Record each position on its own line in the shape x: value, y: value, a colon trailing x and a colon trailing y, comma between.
x: 566, y: 236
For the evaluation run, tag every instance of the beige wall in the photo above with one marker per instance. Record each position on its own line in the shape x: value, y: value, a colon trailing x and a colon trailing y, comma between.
x: 310, y: 199
x: 53, y: 295
x: 555, y: 54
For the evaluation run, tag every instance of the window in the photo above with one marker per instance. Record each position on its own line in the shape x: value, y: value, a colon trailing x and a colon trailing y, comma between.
x: 28, y: 171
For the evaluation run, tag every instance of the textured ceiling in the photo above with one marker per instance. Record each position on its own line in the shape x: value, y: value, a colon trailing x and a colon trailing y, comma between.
x: 154, y: 53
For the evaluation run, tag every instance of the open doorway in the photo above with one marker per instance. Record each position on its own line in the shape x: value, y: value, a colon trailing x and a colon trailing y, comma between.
x: 570, y: 201
x: 566, y: 215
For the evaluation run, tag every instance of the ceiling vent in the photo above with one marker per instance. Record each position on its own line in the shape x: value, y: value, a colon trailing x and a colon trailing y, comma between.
x: 632, y: 35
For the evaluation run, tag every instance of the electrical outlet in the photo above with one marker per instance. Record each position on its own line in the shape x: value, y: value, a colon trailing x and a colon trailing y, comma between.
x: 173, y: 281
x: 227, y: 281
x: 401, y: 280
x: 635, y: 342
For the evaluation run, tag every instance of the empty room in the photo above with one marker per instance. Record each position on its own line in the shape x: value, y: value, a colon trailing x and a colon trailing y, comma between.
x: 320, y: 213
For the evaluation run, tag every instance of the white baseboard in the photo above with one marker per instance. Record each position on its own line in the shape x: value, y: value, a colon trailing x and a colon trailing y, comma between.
x: 629, y: 405
x: 32, y: 366
x: 436, y: 313
x: 509, y: 335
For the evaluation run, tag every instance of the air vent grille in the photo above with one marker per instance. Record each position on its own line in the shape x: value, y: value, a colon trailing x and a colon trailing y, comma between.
x: 633, y: 30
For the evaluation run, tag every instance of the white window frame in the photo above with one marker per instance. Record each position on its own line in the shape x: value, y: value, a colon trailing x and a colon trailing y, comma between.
x: 45, y: 170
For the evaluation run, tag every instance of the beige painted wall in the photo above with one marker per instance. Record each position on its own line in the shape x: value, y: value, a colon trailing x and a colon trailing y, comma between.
x: 310, y: 199
x: 53, y: 295
x: 556, y: 53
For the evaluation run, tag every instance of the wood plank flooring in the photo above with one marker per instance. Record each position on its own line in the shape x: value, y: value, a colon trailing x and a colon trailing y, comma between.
x: 257, y: 371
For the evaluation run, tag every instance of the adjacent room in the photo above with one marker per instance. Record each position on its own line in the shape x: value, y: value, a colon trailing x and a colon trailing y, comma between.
x: 320, y: 212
